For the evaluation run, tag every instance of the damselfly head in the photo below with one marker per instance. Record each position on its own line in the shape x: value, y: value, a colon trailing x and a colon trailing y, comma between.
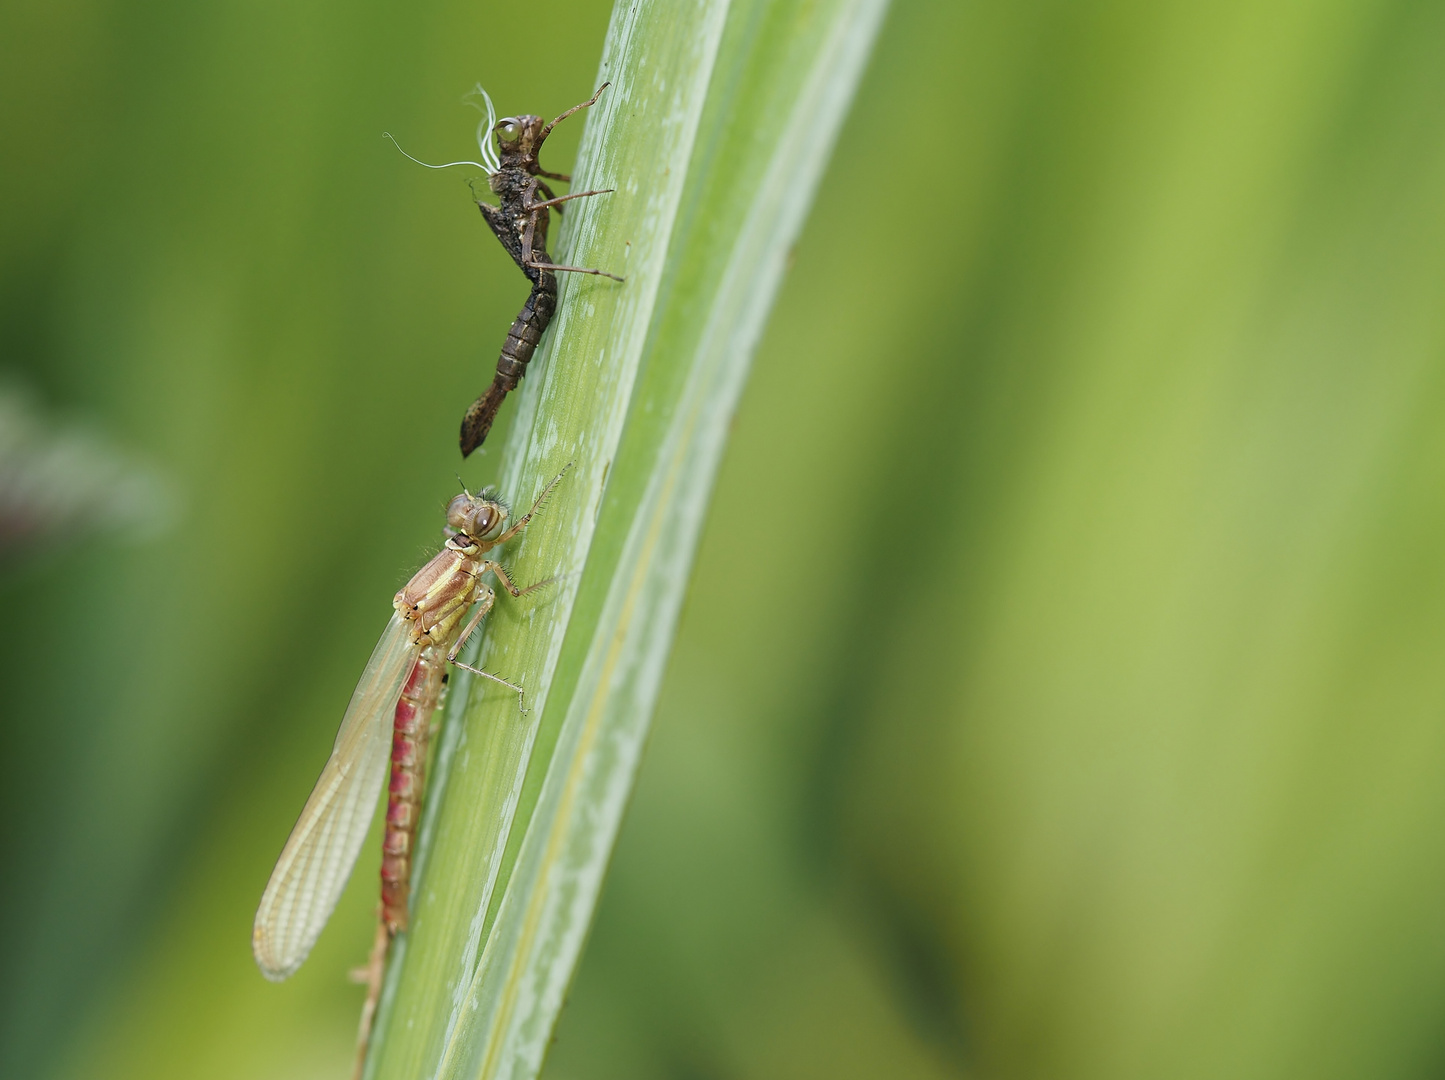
x: 476, y: 515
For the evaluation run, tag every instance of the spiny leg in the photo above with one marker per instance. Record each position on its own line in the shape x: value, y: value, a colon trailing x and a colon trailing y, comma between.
x: 509, y: 584
x: 521, y: 694
x: 485, y: 599
x: 522, y: 521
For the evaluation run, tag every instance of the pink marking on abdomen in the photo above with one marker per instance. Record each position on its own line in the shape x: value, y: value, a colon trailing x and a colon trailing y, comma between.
x: 410, y: 730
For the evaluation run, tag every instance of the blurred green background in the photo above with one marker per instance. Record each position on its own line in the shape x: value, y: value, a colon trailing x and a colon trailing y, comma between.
x: 1061, y: 692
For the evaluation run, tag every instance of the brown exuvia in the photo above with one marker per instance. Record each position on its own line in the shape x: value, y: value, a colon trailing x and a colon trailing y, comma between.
x: 520, y: 223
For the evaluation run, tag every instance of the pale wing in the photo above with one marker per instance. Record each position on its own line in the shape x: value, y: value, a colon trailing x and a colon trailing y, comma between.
x: 322, y: 848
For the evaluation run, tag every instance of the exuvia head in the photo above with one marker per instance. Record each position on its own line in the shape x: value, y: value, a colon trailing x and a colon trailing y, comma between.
x: 478, y: 516
x: 519, y: 140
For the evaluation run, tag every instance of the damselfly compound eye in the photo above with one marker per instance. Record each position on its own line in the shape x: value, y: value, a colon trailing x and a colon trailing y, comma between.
x: 509, y: 131
x: 484, y: 520
x: 458, y: 510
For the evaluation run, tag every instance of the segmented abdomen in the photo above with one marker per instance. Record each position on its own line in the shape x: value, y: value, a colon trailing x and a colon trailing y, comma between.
x: 527, y: 330
x: 410, y: 729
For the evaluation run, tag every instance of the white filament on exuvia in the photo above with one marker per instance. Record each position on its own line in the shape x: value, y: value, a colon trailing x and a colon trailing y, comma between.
x: 419, y: 161
x: 484, y: 130
x: 490, y: 162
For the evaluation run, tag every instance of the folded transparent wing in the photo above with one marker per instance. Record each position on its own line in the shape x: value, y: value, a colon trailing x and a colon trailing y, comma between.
x: 322, y: 848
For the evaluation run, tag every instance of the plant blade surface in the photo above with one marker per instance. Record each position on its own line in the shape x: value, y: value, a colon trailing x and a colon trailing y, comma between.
x: 723, y: 132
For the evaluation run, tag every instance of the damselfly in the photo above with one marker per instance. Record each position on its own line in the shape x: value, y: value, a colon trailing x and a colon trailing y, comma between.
x: 388, y: 719
x: 520, y: 223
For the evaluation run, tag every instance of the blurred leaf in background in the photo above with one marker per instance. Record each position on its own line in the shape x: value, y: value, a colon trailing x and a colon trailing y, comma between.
x: 1060, y: 691
x: 63, y: 485
x: 210, y: 251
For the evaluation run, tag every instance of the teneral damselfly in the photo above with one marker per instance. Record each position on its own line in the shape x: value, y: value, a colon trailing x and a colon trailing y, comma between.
x: 387, y: 721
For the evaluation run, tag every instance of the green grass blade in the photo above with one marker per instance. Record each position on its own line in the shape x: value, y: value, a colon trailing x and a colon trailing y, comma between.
x: 714, y: 134
x: 784, y: 77
x: 572, y: 409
